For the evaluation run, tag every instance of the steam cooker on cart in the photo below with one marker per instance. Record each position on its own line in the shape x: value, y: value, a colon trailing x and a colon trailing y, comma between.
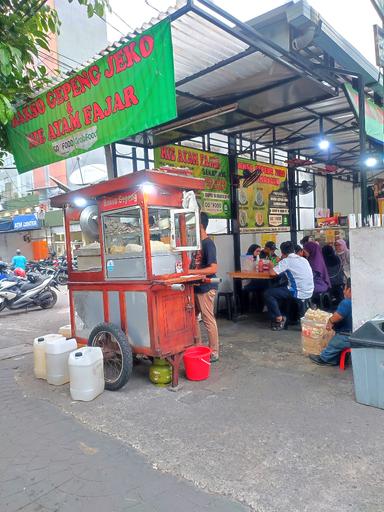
x: 129, y: 288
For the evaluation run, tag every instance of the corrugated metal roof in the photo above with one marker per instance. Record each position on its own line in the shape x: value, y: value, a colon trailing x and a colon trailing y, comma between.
x: 216, y: 65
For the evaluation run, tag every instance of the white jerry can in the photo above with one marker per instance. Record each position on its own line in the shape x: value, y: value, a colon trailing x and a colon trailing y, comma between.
x: 86, y: 371
x: 39, y: 345
x: 57, y: 352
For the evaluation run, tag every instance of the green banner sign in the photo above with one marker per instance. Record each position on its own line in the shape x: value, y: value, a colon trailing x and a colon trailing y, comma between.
x: 213, y: 167
x: 374, y: 115
x: 264, y: 205
x: 121, y: 94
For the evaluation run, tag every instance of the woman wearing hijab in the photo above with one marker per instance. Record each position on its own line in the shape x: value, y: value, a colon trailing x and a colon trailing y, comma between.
x: 320, y: 273
x: 343, y: 253
x: 335, y: 272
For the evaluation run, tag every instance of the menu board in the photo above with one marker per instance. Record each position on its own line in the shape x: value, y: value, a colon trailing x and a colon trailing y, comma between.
x: 213, y: 167
x: 263, y: 206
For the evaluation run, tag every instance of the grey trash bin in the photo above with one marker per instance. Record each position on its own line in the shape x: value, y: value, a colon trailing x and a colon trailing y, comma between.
x: 367, y: 345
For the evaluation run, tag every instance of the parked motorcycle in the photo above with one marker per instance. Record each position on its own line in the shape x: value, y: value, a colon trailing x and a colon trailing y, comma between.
x: 36, y: 290
x: 51, y: 267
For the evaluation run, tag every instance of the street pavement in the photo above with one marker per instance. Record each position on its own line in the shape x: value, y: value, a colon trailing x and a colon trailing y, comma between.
x: 268, y: 429
x: 49, y: 461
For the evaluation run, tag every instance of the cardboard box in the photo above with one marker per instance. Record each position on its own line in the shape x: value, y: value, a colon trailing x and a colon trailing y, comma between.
x: 314, y: 334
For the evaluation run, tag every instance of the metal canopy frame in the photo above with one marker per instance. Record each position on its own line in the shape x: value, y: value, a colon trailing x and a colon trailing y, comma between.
x: 294, y: 126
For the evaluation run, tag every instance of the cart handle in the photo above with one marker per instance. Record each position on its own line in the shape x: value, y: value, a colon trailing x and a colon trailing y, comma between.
x: 213, y: 280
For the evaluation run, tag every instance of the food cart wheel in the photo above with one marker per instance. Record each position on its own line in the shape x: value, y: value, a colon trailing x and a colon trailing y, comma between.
x: 117, y: 354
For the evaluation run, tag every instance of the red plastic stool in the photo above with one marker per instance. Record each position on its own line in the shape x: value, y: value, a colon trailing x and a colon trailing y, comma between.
x: 342, y: 358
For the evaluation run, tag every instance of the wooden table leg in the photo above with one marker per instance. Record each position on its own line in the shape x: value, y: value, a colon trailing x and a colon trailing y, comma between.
x: 237, y: 289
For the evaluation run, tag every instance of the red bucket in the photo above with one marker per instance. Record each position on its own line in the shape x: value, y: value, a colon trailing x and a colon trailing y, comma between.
x: 197, y: 362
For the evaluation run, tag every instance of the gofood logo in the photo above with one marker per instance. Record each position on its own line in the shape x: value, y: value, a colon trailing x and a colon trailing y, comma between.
x: 82, y: 140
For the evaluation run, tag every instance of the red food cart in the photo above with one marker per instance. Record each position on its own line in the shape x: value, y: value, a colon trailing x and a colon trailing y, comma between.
x: 129, y: 288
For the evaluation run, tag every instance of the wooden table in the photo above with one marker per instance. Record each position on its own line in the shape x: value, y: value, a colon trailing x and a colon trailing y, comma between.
x: 250, y: 275
x: 240, y: 275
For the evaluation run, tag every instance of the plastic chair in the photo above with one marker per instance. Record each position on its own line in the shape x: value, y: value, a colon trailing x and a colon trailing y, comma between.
x: 301, y: 306
x: 323, y: 300
x: 228, y: 304
x: 342, y: 358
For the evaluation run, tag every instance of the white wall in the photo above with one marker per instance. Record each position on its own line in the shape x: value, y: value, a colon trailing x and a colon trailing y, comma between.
x: 321, y: 191
x: 357, y: 200
x: 255, y: 238
x: 343, y: 197
x: 346, y: 197
x: 9, y: 242
x: 225, y: 260
x: 367, y: 276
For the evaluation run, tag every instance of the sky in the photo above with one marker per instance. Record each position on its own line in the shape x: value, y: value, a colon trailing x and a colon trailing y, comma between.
x: 353, y: 19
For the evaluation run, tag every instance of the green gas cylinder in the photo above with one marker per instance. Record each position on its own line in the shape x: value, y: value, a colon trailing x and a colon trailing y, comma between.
x: 160, y: 372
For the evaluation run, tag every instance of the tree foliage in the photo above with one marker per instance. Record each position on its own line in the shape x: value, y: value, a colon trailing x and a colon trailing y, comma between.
x: 25, y: 28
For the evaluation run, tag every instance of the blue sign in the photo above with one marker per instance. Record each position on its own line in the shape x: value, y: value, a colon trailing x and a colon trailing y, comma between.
x: 23, y: 222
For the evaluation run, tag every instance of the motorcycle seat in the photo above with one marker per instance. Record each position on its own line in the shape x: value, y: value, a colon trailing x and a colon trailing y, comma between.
x: 28, y: 286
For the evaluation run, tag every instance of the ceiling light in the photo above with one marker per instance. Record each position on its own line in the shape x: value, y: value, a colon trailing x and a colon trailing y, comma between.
x: 324, y: 144
x: 148, y: 188
x: 371, y: 161
x: 80, y: 202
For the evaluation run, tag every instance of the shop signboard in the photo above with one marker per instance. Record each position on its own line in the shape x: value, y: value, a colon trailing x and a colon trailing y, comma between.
x: 25, y: 222
x: 374, y: 115
x: 263, y: 206
x: 123, y: 93
x: 379, y: 45
x: 213, y: 167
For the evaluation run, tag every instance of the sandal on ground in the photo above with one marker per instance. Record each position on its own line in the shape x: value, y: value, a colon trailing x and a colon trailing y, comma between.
x: 279, y: 326
x: 214, y: 358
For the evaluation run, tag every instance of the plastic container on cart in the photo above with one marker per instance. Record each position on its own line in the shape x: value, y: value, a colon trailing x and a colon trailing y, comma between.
x: 65, y: 330
x: 57, y: 352
x: 367, y: 345
x: 39, y: 357
x: 86, y: 373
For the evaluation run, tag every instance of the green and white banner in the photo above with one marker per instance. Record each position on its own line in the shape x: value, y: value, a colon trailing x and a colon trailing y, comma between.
x: 121, y: 94
x: 374, y: 115
x: 213, y: 167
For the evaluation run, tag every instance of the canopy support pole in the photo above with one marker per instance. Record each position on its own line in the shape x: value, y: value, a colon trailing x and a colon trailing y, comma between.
x: 329, y: 183
x: 110, y: 159
x: 292, y: 197
x: 362, y: 141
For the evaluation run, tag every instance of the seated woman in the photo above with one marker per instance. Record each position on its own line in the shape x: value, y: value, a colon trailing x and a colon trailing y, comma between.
x: 321, y: 279
x: 341, y: 322
x: 254, y: 285
x: 343, y: 253
x: 335, y: 272
x: 254, y: 250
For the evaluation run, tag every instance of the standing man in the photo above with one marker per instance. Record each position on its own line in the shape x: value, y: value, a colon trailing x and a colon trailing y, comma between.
x: 205, y: 263
x: 19, y: 261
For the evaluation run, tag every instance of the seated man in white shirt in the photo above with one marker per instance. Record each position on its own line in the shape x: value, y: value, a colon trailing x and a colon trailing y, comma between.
x: 300, y: 283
